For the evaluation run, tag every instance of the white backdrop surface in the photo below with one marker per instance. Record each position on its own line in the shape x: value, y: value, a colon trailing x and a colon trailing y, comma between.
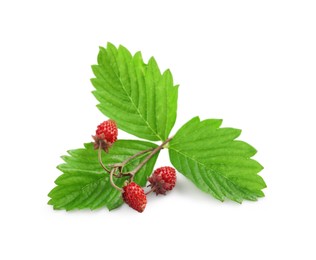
x: 251, y: 63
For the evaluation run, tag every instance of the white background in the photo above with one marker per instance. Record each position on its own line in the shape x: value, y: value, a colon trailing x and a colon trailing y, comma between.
x: 251, y: 63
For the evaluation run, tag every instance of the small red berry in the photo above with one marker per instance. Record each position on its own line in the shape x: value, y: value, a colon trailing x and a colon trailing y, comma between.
x: 107, y: 131
x: 163, y: 180
x: 134, y: 196
x: 106, y: 135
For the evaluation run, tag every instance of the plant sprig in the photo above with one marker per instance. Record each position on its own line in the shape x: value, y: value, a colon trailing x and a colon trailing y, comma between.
x: 143, y: 102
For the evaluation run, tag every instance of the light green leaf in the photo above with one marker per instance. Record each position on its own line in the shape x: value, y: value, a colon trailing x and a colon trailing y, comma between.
x: 84, y: 184
x: 141, y: 100
x: 215, y: 162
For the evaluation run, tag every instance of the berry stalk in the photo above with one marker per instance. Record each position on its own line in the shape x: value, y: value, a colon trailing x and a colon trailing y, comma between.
x: 112, y: 182
x: 100, y: 158
x: 106, y: 135
x: 156, y: 150
x: 121, y: 165
x: 151, y: 190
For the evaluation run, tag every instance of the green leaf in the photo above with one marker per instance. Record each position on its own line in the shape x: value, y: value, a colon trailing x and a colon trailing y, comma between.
x: 141, y: 100
x: 84, y: 184
x: 215, y: 162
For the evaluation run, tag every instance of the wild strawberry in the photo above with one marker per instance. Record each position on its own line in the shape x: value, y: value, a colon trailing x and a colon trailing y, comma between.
x: 163, y: 179
x: 106, y: 135
x: 134, y: 196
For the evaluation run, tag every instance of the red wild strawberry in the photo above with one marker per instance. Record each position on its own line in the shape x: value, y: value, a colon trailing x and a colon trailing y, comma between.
x: 163, y: 180
x: 106, y: 135
x: 134, y: 196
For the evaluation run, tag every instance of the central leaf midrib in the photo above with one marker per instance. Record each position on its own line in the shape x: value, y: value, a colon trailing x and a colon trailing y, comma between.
x: 136, y: 108
x: 212, y: 171
x: 82, y: 188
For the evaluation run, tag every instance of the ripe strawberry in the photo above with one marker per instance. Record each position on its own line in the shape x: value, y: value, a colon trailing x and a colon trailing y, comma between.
x: 134, y: 196
x: 106, y: 135
x: 163, y: 180
x: 107, y: 131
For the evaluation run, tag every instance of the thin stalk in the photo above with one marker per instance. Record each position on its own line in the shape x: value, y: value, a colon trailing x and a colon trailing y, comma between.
x: 151, y: 190
x: 156, y: 150
x: 100, y: 159
x: 136, y: 155
x: 104, y: 167
x: 122, y: 164
x: 112, y: 182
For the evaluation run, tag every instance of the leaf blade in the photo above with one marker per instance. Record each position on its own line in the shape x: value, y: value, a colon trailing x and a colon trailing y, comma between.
x: 136, y: 95
x: 84, y: 184
x: 215, y: 162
